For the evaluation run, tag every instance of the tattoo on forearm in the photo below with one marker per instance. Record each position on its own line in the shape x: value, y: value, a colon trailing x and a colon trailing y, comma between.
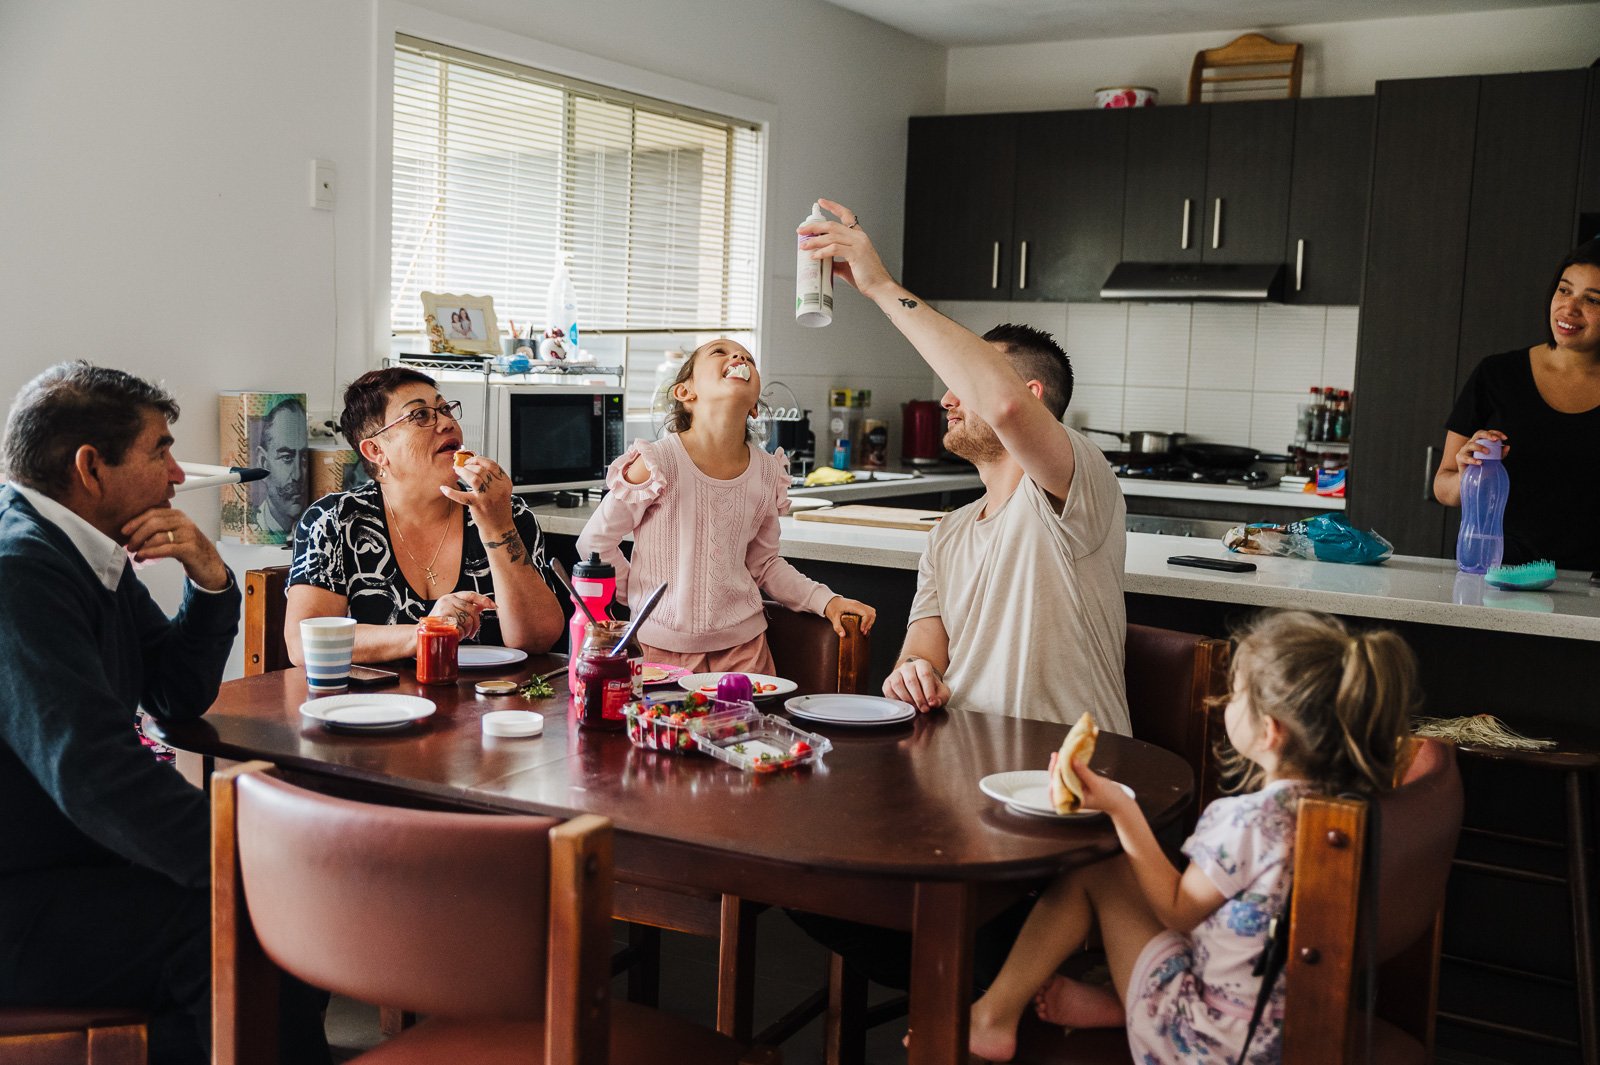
x: 512, y: 542
x: 909, y: 305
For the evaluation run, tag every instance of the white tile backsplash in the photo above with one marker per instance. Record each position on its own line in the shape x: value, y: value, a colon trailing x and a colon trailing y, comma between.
x: 1224, y: 373
x: 1099, y: 406
x: 1339, y: 347
x: 1216, y: 416
x: 1222, y: 346
x: 1097, y: 342
x: 1158, y: 345
x: 1156, y: 410
x: 1289, y: 347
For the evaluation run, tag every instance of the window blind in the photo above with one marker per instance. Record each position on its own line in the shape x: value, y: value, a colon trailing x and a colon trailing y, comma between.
x: 499, y: 169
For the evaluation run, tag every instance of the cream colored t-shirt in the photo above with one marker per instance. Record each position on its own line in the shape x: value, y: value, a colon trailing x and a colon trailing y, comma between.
x: 1031, y: 596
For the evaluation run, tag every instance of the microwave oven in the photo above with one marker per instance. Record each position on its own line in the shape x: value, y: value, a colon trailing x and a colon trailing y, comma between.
x: 548, y: 437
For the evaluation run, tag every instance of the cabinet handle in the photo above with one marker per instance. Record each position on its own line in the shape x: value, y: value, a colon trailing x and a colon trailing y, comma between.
x: 1216, y: 226
x: 1299, y: 262
x: 1184, y: 242
x: 994, y: 267
x: 1023, y: 279
x: 1429, y: 464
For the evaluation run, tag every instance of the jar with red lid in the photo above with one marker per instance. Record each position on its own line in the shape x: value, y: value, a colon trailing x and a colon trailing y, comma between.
x: 604, y: 680
x: 438, y: 644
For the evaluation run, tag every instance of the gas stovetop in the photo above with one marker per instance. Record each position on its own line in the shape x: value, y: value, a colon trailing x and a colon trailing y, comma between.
x: 1242, y: 477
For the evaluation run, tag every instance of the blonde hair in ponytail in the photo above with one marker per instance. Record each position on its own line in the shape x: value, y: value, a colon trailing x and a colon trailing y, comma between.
x: 1343, y: 699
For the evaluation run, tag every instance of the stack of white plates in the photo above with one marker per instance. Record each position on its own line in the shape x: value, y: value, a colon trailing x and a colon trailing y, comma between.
x: 844, y: 709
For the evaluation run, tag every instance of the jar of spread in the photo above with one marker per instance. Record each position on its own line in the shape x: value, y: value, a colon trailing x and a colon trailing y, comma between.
x: 438, y: 641
x: 604, y: 680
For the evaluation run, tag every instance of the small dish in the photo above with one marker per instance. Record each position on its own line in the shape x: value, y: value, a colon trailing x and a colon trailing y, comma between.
x: 860, y: 711
x: 1027, y: 791
x: 513, y: 723
x: 479, y: 656
x: 367, y: 713
x: 707, y: 682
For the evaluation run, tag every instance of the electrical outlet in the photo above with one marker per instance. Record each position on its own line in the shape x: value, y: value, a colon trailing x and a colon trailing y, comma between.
x: 322, y: 185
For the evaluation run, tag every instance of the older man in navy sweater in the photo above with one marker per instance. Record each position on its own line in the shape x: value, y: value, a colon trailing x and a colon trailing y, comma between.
x: 104, y: 852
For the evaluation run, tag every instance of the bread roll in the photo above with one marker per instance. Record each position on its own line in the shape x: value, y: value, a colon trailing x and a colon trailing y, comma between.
x: 463, y: 456
x: 1066, y: 790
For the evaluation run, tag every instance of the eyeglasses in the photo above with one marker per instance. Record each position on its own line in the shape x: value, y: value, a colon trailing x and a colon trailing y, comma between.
x: 425, y: 417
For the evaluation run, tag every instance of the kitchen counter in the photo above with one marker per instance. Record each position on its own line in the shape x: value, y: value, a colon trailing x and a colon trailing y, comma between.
x: 1227, y: 493
x: 1425, y: 591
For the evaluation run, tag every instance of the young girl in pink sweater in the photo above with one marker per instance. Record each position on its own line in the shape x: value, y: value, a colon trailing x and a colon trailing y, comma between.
x: 703, y: 504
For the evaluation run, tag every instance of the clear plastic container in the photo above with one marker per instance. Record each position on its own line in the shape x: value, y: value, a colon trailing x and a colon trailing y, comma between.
x: 755, y: 742
x: 662, y: 724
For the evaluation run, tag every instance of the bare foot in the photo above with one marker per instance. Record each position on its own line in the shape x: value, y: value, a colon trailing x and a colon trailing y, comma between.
x: 1072, y: 1004
x: 989, y: 1037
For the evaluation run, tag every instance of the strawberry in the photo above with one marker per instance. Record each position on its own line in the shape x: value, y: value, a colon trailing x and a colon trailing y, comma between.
x: 800, y: 749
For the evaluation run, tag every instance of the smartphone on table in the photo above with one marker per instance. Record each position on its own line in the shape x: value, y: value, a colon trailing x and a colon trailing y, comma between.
x: 370, y: 677
x: 1226, y: 565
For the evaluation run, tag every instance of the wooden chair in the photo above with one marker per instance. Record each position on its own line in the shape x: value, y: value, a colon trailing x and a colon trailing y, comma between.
x: 42, y: 1036
x: 1175, y: 682
x: 1325, y: 1023
x: 1250, y: 64
x: 495, y: 927
x: 264, y: 647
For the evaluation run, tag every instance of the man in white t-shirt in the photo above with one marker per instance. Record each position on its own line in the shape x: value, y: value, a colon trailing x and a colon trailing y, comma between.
x: 1019, y: 607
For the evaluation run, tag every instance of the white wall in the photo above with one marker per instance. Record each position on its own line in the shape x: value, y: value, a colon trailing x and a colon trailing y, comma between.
x: 155, y: 176
x: 1341, y: 58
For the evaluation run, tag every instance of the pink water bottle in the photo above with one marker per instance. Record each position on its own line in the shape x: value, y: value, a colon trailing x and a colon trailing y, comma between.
x: 595, y: 582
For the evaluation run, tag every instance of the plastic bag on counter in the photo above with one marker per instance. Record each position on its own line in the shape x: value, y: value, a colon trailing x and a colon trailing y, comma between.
x: 1324, y: 538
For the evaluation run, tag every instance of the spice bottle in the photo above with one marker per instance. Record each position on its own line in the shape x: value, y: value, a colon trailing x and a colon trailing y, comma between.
x: 604, y: 683
x: 438, y: 646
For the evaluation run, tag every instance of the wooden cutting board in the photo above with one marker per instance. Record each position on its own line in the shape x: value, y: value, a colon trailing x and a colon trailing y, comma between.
x: 878, y: 517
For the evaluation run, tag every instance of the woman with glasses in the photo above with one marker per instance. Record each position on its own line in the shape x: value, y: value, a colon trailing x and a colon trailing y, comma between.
x: 413, y: 542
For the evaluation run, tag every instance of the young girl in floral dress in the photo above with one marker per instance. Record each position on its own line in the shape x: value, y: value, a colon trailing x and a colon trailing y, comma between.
x: 703, y: 505
x: 1315, y: 708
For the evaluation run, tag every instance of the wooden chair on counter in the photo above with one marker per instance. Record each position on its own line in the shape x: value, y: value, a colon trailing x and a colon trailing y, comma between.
x: 1368, y: 905
x: 1249, y: 64
x: 495, y: 927
x: 71, y: 1036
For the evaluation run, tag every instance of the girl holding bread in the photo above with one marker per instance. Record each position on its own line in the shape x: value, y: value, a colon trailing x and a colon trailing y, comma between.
x: 703, y: 504
x: 1314, y: 708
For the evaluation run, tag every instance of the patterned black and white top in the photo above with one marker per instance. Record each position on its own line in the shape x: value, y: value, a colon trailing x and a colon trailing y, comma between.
x: 342, y: 543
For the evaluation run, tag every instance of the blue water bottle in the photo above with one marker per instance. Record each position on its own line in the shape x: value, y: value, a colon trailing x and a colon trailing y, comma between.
x: 1484, y: 490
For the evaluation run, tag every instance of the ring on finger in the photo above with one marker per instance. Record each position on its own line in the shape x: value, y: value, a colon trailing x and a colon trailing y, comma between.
x: 170, y: 538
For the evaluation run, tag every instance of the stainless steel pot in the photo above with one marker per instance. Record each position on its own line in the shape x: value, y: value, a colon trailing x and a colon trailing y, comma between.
x: 1142, y: 443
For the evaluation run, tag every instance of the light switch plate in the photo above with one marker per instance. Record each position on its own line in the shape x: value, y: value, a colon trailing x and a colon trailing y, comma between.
x: 322, y: 184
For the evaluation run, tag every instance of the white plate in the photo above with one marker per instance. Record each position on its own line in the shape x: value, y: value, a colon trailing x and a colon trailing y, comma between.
x: 478, y: 656
x: 708, y: 683
x: 1027, y: 791
x: 841, y: 709
x: 368, y: 713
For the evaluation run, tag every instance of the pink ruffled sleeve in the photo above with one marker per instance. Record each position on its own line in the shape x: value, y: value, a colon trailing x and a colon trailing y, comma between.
x: 772, y: 573
x: 622, y: 509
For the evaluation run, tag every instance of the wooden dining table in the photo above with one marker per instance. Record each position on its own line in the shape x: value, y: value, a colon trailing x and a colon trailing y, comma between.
x: 889, y: 828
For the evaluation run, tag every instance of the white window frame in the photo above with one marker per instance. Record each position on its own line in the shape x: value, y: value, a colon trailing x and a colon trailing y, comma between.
x: 392, y: 17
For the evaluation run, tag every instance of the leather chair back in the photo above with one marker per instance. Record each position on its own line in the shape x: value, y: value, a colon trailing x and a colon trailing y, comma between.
x: 433, y: 912
x: 806, y: 650
x: 71, y: 1036
x: 1172, y: 677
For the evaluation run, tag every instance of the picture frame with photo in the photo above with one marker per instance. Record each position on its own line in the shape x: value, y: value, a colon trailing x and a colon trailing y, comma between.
x: 460, y: 325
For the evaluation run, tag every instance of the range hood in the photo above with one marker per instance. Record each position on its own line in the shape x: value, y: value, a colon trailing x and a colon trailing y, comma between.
x: 1194, y: 281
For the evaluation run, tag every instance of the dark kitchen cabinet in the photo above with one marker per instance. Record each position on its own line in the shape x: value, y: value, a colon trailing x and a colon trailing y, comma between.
x: 1248, y: 157
x: 1208, y: 183
x: 1411, y: 305
x: 1067, y: 226
x: 1589, y: 174
x: 1328, y: 192
x: 960, y: 170
x: 1166, y: 184
x: 1025, y: 207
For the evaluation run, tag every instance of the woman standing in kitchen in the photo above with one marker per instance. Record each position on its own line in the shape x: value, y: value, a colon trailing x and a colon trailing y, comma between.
x: 1544, y: 403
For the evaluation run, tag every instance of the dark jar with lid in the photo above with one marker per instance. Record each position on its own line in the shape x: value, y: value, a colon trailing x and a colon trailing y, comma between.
x: 438, y: 651
x: 604, y: 681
